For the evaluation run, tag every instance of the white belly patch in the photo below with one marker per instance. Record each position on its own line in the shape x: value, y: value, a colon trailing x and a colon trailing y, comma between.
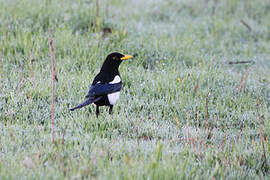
x: 113, y: 97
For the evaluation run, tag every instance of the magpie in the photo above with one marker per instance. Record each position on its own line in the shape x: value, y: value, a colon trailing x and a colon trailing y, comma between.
x: 106, y: 86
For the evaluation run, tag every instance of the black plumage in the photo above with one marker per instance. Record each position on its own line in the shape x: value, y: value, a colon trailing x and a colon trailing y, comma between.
x: 106, y: 86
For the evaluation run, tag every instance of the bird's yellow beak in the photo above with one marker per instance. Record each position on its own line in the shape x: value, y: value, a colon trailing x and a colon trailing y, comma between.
x: 126, y: 57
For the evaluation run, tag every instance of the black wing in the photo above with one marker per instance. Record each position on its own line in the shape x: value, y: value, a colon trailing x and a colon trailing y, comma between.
x: 103, y: 89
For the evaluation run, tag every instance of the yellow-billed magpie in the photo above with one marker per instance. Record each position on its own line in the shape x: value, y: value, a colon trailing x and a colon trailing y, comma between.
x: 106, y: 86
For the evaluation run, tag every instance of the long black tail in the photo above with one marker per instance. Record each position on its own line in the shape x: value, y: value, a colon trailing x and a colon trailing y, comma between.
x: 84, y: 103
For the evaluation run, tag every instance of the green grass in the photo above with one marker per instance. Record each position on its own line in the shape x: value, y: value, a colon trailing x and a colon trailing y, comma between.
x: 159, y: 126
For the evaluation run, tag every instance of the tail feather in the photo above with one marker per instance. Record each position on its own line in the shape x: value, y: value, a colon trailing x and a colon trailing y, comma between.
x: 85, y: 103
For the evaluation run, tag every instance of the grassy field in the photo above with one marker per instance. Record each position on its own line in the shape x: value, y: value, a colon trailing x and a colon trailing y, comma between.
x: 187, y: 111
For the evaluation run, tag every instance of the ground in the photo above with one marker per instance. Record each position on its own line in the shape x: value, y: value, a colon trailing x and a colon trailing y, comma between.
x: 187, y: 110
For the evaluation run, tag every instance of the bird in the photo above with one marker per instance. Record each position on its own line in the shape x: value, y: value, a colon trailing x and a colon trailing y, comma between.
x: 107, y: 84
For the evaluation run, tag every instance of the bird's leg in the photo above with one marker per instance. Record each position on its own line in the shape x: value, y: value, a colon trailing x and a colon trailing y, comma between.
x: 97, y: 110
x: 111, y: 108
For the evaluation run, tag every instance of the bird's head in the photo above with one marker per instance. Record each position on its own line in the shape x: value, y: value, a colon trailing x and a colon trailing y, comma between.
x: 114, y: 59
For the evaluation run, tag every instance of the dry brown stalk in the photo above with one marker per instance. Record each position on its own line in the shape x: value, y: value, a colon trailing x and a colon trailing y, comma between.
x: 207, y: 112
x: 53, y: 83
x: 32, y: 75
x: 261, y: 132
x: 197, y: 103
x: 198, y: 113
x: 187, y: 128
x: 63, y: 138
x: 196, y: 88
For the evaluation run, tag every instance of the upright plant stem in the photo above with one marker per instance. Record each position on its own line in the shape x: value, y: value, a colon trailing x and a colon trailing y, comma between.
x: 207, y: 112
x: 0, y: 72
x: 97, y: 8
x: 261, y: 132
x: 53, y: 85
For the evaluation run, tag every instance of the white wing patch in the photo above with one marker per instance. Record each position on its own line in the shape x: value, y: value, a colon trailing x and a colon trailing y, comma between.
x: 116, y: 79
x: 113, y: 97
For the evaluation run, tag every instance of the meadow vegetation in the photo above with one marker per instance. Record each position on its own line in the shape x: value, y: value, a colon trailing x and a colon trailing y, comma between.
x: 188, y: 109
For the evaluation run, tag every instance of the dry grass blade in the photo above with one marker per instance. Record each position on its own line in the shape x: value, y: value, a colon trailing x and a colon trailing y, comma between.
x: 246, y: 25
x: 20, y: 82
x: 242, y: 82
x: 177, y: 121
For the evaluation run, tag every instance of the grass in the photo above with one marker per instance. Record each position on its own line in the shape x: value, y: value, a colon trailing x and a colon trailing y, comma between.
x: 184, y: 112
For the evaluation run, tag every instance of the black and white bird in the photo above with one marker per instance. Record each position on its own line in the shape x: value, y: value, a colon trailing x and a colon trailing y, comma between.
x: 106, y: 86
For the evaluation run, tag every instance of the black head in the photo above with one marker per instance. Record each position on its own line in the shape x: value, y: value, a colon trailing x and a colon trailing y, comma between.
x: 113, y: 61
